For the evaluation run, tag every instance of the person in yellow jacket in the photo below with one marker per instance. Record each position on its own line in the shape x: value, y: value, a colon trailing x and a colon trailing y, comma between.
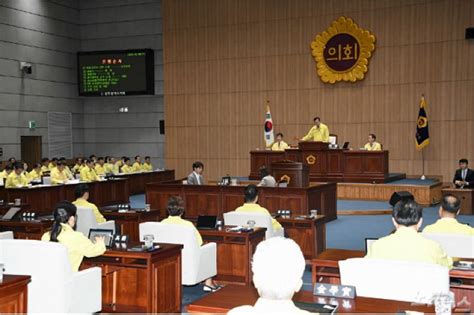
x: 4, y: 174
x: 126, y: 168
x: 147, y: 167
x: 120, y: 163
x: 53, y: 163
x: 78, y: 165
x: 100, y: 167
x: 82, y: 200
x: 372, y: 145
x: 77, y: 244
x: 175, y: 209
x: 319, y: 132
x: 44, y: 165
x: 110, y: 166
x: 58, y: 175
x: 448, y: 224
x: 67, y: 170
x: 251, y: 205
x: 279, y: 144
x: 88, y: 173
x: 137, y: 166
x: 406, y: 243
x: 17, y: 178
x: 36, y: 173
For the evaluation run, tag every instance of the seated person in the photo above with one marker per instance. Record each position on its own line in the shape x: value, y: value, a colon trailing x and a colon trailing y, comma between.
x: 78, y: 166
x: 120, y: 163
x: 278, y: 266
x: 88, y: 173
x: 4, y: 174
x: 93, y: 158
x: 53, y: 163
x: 319, y: 132
x: 82, y: 197
x: 279, y: 144
x: 126, y: 167
x: 147, y: 167
x: 266, y: 180
x: 137, y: 165
x: 251, y: 206
x: 464, y: 177
x: 447, y: 223
x: 36, y: 173
x: 110, y: 166
x: 17, y: 178
x: 76, y: 243
x: 372, y: 145
x: 100, y: 166
x: 58, y: 175
x: 12, y: 161
x: 195, y: 178
x: 67, y: 170
x: 175, y: 211
x: 44, y: 165
x: 406, y: 243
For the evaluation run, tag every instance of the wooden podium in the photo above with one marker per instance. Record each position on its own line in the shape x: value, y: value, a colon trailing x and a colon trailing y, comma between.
x: 295, y: 173
x: 465, y: 195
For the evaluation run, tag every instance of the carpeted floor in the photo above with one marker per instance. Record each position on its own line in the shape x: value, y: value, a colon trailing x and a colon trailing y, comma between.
x: 347, y: 232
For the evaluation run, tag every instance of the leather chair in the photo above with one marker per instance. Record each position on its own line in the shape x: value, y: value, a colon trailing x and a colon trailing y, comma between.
x: 261, y: 220
x: 198, y: 262
x: 395, y: 280
x: 86, y: 220
x: 54, y: 287
x: 455, y: 245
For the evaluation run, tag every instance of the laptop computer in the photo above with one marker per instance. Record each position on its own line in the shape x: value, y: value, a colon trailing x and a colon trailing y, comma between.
x: 368, y: 243
x: 108, y: 235
x: 206, y: 222
x: 346, y: 145
x: 10, y: 213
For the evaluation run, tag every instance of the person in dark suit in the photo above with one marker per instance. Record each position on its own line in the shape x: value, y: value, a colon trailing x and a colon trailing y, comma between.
x: 195, y: 178
x: 464, y: 177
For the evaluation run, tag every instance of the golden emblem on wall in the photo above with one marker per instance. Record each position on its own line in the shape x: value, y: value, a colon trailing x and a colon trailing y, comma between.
x: 342, y: 51
x: 311, y: 159
x: 285, y: 178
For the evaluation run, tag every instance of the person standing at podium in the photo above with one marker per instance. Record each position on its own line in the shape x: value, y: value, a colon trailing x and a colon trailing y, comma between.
x: 319, y: 132
x: 464, y: 177
x: 372, y: 145
x: 279, y: 144
x: 195, y: 178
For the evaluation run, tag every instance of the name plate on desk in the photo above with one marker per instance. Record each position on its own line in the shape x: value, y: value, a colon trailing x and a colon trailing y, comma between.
x: 335, y: 291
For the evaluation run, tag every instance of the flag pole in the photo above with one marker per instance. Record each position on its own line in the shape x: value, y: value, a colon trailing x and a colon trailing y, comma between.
x: 423, y: 177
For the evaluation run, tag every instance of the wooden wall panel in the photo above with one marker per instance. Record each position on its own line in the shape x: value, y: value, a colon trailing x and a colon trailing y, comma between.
x: 224, y: 58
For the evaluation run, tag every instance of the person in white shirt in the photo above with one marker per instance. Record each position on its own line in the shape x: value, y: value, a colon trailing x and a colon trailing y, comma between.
x: 195, y: 178
x: 278, y: 266
x: 266, y: 179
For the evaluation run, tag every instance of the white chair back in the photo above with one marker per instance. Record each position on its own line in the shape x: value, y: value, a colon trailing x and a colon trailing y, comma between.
x: 46, y: 180
x: 86, y: 220
x: 261, y: 220
x: 395, y: 280
x: 193, y: 261
x: 455, y: 245
x: 51, y: 274
x: 8, y: 235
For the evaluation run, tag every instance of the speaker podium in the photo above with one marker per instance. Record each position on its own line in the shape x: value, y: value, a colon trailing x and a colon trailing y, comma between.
x: 295, y: 173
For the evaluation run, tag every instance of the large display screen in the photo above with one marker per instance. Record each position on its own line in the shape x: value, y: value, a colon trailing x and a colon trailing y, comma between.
x: 116, y: 73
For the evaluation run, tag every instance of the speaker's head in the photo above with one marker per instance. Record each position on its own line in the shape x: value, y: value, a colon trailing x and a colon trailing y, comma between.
x: 400, y: 195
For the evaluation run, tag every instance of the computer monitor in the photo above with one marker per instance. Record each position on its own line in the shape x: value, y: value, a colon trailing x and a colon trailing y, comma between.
x: 346, y: 145
x: 10, y: 213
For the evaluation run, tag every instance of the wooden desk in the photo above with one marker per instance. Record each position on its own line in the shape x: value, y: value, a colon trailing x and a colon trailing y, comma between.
x: 138, y: 181
x: 216, y: 200
x: 308, y: 233
x: 140, y: 282
x: 43, y: 199
x: 465, y: 195
x: 325, y: 268
x: 128, y: 222
x: 24, y: 229
x: 14, y: 294
x: 232, y: 296
x: 234, y: 253
x: 332, y: 165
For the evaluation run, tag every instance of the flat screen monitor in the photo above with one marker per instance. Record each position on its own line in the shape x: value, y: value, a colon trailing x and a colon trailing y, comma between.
x: 116, y: 72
